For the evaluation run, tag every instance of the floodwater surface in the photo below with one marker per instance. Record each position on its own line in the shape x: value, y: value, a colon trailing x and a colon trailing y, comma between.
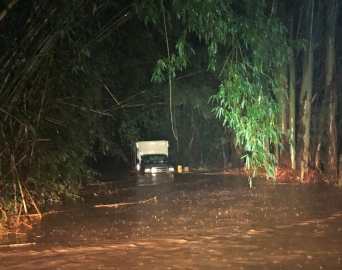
x: 191, y: 221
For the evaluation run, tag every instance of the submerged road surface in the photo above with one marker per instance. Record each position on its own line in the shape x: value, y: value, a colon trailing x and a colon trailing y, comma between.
x: 194, y: 221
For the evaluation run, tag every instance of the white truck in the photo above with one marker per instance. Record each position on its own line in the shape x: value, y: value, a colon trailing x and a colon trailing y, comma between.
x: 153, y: 157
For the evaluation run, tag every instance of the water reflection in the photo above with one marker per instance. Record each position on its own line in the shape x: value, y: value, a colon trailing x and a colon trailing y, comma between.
x: 154, y: 179
x: 190, y: 222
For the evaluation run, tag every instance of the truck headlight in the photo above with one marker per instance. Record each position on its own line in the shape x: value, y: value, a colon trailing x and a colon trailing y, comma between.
x: 171, y: 169
x: 153, y: 170
x: 148, y: 170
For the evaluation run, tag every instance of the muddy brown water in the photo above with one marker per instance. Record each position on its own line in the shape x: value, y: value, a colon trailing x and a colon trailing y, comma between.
x: 191, y: 221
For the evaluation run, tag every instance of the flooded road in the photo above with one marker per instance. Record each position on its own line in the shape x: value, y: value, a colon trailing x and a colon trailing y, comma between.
x: 191, y: 221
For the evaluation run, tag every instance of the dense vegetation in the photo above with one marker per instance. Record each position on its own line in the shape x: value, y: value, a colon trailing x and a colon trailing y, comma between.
x: 220, y: 79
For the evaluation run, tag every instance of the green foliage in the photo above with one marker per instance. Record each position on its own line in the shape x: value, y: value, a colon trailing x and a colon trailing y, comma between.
x: 158, y: 74
x: 50, y: 106
x: 74, y: 88
x: 251, y: 112
x: 246, y: 45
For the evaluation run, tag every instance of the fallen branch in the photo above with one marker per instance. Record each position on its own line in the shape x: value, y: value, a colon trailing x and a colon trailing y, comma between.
x: 18, y: 245
x: 115, y: 205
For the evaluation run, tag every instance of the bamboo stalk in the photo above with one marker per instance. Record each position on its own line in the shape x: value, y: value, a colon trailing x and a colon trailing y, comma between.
x: 32, y: 201
x: 22, y: 196
x: 15, y: 196
x: 80, y: 107
x: 125, y: 100
x: 41, y: 106
x: 19, y: 215
x: 173, y: 128
x: 139, y: 105
x: 113, y: 24
x: 110, y: 93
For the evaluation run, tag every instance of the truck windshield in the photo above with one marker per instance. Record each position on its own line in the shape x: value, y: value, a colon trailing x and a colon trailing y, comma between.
x: 154, y: 159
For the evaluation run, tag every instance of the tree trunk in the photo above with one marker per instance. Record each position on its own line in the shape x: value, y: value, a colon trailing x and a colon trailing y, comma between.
x: 340, y: 172
x: 224, y: 157
x: 292, y: 106
x: 331, y: 171
x: 331, y: 91
x: 282, y: 120
x: 305, y: 101
x: 320, y: 128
